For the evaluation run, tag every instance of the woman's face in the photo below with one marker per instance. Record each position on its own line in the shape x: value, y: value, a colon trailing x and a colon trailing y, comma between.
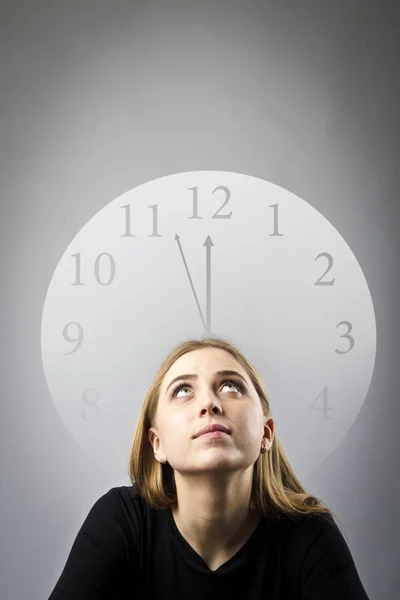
x: 226, y: 399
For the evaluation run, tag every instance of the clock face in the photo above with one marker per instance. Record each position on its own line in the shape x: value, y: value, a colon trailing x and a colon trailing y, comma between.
x: 205, y: 253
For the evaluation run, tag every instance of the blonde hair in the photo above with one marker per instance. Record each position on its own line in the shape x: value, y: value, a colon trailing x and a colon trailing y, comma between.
x: 275, y: 487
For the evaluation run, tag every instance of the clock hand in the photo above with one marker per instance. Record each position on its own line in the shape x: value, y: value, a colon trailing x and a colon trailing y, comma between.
x: 190, y: 279
x: 208, y: 243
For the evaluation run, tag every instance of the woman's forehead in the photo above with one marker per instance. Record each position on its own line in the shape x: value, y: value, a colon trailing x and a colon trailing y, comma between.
x: 204, y: 360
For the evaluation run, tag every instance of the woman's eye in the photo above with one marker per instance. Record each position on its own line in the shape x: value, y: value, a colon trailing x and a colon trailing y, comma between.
x: 179, y: 389
x: 183, y: 386
x: 233, y: 385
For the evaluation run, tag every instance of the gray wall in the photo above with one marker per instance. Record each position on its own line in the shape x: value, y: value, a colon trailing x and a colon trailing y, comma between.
x: 97, y: 97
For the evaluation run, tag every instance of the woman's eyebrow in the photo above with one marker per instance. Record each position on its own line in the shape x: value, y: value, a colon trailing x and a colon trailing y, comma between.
x: 194, y: 376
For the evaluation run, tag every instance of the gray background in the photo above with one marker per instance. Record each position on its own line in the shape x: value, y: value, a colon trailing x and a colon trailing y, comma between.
x: 97, y: 97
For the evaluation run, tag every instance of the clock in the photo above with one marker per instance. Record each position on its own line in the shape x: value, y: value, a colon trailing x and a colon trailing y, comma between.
x: 199, y: 254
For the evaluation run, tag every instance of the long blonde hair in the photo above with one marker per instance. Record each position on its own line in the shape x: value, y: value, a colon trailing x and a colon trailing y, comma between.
x: 275, y: 487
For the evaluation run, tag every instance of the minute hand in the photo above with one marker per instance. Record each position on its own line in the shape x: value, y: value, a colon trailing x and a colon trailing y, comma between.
x: 207, y: 243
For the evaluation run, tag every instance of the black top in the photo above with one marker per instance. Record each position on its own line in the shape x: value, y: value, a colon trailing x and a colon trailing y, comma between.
x: 126, y: 550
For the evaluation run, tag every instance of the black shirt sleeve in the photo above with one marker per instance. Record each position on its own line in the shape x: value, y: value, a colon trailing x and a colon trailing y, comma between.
x: 96, y: 567
x: 328, y: 571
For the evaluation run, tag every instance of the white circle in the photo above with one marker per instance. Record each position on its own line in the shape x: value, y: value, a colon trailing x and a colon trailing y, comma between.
x: 209, y: 251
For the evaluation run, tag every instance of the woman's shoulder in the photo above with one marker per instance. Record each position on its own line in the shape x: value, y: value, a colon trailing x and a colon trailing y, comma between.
x: 314, y: 535
x: 301, y: 530
x: 125, y: 498
x: 125, y: 491
x: 118, y: 507
x: 320, y: 555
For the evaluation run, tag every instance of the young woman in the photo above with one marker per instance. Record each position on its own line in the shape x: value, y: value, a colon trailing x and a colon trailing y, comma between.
x: 209, y: 515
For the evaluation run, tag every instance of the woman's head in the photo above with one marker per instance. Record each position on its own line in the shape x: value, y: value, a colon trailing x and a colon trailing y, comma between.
x: 174, y: 411
x: 220, y: 392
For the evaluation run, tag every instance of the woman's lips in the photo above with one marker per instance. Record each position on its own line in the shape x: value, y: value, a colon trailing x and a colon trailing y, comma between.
x: 212, y: 434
